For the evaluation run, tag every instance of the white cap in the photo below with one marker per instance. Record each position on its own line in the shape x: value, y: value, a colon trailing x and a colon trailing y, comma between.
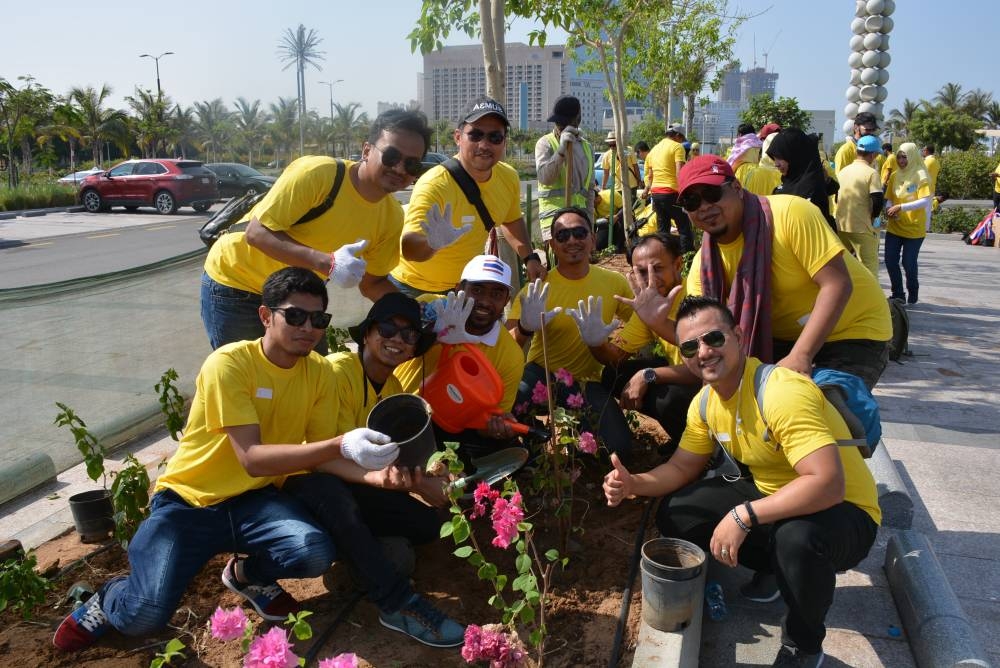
x: 488, y: 269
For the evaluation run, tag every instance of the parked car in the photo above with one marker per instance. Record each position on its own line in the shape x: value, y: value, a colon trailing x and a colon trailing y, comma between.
x: 432, y: 159
x: 165, y: 184
x: 599, y: 171
x: 236, y: 179
x: 76, y: 178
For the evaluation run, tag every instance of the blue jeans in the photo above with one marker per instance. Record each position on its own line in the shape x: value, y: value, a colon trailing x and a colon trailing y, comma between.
x: 611, y: 425
x: 910, y: 249
x: 172, y: 545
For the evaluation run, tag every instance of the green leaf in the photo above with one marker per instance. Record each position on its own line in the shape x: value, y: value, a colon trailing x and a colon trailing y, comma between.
x: 174, y: 645
x: 536, y: 637
x: 552, y: 554
x: 476, y: 560
x: 487, y: 571
x: 462, y: 529
x: 522, y: 563
x: 501, y: 582
x: 527, y: 614
x: 447, y: 529
x: 463, y: 552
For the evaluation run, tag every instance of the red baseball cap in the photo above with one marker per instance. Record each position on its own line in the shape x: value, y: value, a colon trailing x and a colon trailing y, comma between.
x: 705, y: 169
x: 768, y: 129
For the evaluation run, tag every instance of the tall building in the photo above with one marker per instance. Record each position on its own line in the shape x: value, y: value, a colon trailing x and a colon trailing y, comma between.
x: 741, y: 85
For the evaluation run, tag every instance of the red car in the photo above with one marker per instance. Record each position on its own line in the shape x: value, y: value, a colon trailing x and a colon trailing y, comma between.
x: 165, y: 184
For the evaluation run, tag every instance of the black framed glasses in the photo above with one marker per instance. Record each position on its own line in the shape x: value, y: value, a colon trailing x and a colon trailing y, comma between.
x: 388, y: 329
x: 692, y: 201
x: 578, y: 233
x: 496, y: 137
x: 713, y: 339
x: 392, y: 156
x: 297, y: 317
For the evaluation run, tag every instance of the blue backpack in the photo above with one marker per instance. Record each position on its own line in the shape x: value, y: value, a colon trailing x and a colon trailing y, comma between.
x: 844, y: 391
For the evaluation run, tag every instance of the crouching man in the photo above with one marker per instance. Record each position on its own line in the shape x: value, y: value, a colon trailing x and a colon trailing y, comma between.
x: 811, y: 507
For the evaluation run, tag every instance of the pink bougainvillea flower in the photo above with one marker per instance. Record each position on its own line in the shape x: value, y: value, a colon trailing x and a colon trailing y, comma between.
x: 492, y: 644
x: 480, y: 497
x: 507, y: 514
x: 564, y: 377
x: 472, y: 648
x: 228, y: 624
x: 587, y: 443
x: 271, y: 650
x: 345, y: 660
x: 522, y: 408
x: 540, y: 394
x: 575, y: 400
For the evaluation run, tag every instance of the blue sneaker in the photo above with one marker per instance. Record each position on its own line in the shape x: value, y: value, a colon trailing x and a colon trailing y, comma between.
x: 83, y: 627
x: 270, y: 601
x: 424, y: 623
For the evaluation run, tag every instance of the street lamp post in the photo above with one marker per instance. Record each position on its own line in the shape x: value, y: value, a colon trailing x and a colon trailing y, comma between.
x: 159, y: 92
x: 333, y: 143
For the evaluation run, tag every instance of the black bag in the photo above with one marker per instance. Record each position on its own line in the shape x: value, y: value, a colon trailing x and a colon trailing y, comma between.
x: 898, y: 344
x: 237, y: 209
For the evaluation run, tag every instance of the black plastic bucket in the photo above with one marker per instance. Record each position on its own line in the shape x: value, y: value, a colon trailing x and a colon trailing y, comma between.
x: 673, y: 583
x: 406, y: 418
x: 93, y: 515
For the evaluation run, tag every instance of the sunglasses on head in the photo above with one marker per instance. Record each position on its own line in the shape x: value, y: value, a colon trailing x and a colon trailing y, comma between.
x: 391, y: 156
x: 692, y: 201
x: 388, y: 329
x: 578, y: 233
x: 296, y: 316
x: 713, y: 339
x: 496, y: 137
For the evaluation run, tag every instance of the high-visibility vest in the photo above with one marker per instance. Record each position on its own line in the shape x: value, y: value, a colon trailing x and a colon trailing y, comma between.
x: 553, y: 196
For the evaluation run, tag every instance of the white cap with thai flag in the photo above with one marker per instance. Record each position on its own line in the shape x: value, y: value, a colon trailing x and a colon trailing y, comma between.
x: 487, y: 268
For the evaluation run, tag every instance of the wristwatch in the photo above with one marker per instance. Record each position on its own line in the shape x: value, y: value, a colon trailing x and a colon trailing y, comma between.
x: 531, y: 256
x: 649, y: 375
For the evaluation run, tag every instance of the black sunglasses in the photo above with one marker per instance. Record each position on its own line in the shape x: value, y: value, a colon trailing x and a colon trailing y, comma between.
x: 563, y: 235
x: 691, y: 201
x: 388, y: 329
x: 713, y: 339
x: 496, y: 137
x: 296, y: 316
x: 391, y: 156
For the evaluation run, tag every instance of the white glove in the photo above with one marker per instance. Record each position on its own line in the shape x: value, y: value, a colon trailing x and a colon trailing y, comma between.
x: 569, y: 135
x: 533, y: 311
x: 451, y: 317
x: 346, y: 270
x: 439, y: 230
x: 588, y: 318
x: 368, y: 448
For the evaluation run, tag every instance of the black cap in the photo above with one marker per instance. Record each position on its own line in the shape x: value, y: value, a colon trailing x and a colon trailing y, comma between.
x: 392, y: 304
x: 484, y: 106
x: 565, y: 111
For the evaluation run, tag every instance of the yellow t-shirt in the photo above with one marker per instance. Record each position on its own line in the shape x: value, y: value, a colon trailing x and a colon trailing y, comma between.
x: 933, y: 166
x: 907, y: 224
x: 661, y: 165
x: 635, y: 334
x: 802, y: 245
x: 633, y: 164
x: 305, y: 184
x: 888, y: 167
x: 506, y: 357
x: 799, y: 419
x: 854, y: 203
x: 758, y: 179
x: 502, y: 197
x: 237, y: 386
x: 846, y: 154
x: 996, y: 182
x: 354, y: 397
x: 565, y: 347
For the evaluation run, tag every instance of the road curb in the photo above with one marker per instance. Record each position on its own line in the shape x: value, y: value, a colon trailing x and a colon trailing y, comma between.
x: 31, y: 213
x: 893, y: 497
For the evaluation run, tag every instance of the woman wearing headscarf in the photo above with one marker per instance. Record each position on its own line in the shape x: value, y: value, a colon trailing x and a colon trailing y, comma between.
x: 796, y: 156
x: 908, y: 210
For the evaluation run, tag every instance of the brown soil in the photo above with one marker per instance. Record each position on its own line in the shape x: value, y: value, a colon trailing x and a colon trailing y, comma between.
x: 583, y: 608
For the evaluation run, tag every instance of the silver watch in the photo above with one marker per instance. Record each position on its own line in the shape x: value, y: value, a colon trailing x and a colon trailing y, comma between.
x: 649, y: 375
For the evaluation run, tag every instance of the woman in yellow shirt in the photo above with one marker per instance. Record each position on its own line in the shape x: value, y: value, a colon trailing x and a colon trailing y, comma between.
x: 908, y: 203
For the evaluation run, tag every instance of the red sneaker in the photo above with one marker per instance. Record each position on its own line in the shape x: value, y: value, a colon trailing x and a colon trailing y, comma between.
x: 83, y: 627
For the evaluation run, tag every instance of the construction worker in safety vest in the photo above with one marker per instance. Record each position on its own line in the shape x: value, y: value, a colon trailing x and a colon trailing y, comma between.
x: 550, y: 162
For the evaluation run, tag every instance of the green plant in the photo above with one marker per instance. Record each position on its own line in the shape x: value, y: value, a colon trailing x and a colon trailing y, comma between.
x: 21, y: 587
x: 130, y: 499
x: 957, y: 219
x: 36, y: 196
x: 965, y: 175
x: 170, y: 652
x: 337, y: 338
x: 171, y: 402
x: 88, y: 445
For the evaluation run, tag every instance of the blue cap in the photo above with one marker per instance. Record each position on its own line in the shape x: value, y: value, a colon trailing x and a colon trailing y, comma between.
x: 869, y: 144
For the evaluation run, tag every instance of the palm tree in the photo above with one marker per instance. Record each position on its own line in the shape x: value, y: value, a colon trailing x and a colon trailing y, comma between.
x: 298, y: 47
x: 149, y: 124
x: 992, y: 114
x: 950, y: 95
x: 181, y: 134
x: 899, y: 121
x: 976, y: 102
x: 65, y: 126
x: 214, y: 126
x: 99, y: 124
x: 283, y: 116
x: 348, y: 124
x: 250, y: 124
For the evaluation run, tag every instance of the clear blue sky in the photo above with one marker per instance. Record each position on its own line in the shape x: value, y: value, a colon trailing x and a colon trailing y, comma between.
x: 228, y: 49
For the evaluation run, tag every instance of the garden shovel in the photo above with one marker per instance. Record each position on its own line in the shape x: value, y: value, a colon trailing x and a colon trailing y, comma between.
x: 492, y: 468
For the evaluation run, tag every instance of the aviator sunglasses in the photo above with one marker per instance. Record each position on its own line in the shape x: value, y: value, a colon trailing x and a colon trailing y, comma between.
x: 388, y: 329
x: 496, y: 137
x: 391, y: 156
x: 296, y: 316
x: 578, y: 233
x: 691, y: 201
x: 713, y: 339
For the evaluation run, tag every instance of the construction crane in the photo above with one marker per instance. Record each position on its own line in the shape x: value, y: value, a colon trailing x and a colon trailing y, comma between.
x: 769, y: 49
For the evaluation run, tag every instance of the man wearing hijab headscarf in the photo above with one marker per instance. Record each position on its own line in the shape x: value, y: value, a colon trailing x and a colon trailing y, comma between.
x: 908, y: 209
x: 797, y: 158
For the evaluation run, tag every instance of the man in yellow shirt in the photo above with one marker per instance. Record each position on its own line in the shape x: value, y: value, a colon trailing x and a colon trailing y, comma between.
x: 261, y: 411
x: 663, y: 164
x: 633, y: 167
x: 859, y: 202
x: 864, y: 124
x: 355, y: 242
x: 810, y: 508
x: 995, y: 175
x: 434, y: 250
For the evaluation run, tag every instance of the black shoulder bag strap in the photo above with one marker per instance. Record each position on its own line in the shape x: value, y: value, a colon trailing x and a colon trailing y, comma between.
x: 471, y: 190
x: 325, y: 205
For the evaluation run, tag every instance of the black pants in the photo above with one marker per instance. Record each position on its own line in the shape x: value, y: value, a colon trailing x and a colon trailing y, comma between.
x: 804, y: 553
x: 666, y: 209
x: 865, y: 358
x: 354, y: 516
x: 666, y: 403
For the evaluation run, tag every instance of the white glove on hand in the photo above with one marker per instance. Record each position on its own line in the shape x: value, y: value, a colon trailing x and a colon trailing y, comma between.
x: 368, y: 448
x: 569, y: 135
x: 451, y: 317
x: 588, y: 318
x: 533, y: 311
x: 346, y: 270
x: 439, y: 230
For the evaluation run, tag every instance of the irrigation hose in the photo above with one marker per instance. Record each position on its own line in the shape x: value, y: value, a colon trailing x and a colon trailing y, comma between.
x: 328, y: 631
x: 627, y: 592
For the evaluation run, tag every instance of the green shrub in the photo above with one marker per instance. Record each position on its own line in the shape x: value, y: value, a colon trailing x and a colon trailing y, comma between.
x: 36, y: 196
x: 965, y: 175
x: 957, y: 219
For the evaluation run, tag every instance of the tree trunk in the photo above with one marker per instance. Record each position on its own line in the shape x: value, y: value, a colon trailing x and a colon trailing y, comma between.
x: 492, y: 29
x: 689, y: 115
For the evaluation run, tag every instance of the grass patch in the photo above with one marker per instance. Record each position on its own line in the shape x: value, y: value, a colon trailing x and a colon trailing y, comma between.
x: 36, y: 196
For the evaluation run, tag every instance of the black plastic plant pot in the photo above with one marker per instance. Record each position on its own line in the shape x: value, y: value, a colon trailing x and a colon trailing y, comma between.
x: 93, y: 515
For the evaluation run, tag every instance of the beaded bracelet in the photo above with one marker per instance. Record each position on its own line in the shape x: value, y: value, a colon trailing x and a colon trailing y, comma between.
x: 736, y: 517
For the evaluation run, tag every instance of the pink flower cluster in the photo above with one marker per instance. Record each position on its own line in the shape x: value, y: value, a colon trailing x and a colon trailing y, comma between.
x: 227, y: 625
x: 506, y: 514
x: 575, y: 400
x: 540, y: 394
x: 345, y: 660
x: 564, y: 377
x: 271, y: 650
x: 587, y: 443
x: 490, y: 643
